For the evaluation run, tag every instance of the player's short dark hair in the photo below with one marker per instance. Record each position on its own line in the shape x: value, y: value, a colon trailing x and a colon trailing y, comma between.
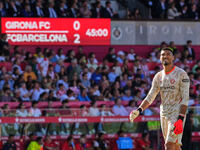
x: 168, y: 49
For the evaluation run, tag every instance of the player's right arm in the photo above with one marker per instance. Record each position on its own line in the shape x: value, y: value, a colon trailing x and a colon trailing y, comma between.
x: 155, y: 88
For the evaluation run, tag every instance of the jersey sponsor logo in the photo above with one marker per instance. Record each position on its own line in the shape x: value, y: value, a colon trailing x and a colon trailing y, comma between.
x: 172, y: 81
x: 185, y: 80
x: 167, y: 87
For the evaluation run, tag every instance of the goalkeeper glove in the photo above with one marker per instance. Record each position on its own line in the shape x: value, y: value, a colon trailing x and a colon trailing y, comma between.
x: 179, y: 125
x: 134, y: 114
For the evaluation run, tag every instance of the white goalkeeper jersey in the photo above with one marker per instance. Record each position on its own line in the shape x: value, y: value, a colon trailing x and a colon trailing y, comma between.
x: 173, y: 88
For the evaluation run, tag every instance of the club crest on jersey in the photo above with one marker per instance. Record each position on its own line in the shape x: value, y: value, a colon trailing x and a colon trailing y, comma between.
x: 172, y: 81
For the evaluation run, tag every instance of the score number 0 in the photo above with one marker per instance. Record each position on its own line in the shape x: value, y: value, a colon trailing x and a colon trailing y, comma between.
x: 76, y: 27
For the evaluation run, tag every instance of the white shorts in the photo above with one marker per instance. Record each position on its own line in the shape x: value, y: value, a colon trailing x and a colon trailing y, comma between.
x: 167, y: 126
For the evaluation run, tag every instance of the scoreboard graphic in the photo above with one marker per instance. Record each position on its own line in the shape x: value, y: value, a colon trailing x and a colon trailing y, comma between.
x: 56, y: 31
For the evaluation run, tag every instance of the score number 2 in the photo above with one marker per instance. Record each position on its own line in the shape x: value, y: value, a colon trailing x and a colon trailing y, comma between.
x: 76, y: 27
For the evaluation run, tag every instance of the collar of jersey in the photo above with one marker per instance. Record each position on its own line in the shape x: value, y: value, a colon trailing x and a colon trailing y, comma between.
x: 171, y: 70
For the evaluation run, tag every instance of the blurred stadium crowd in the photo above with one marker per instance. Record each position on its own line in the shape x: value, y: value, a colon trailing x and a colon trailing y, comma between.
x: 48, y: 75
x: 57, y: 75
x: 158, y: 9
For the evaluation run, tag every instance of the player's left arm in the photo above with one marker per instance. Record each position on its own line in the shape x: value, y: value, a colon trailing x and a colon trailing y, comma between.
x: 184, y: 91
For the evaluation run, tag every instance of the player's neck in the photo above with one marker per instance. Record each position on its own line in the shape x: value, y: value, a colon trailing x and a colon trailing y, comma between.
x: 168, y: 68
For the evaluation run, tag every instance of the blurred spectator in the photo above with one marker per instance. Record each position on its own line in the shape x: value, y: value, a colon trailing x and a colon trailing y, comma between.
x: 131, y: 106
x: 121, y: 57
x: 21, y: 112
x: 50, y: 12
x: 36, y: 145
x: 131, y: 55
x: 127, y: 96
x: 92, y: 63
x: 73, y: 68
x: 129, y: 87
x: 80, y: 53
x: 92, y: 58
x: 180, y: 5
x: 83, y: 96
x: 36, y: 91
x: 85, y: 82
x: 17, y: 97
x: 30, y: 139
x: 108, y: 11
x: 105, y: 111
x: 62, y: 10
x: 173, y: 12
x: 111, y: 56
x: 160, y: 9
x: 4, y: 45
x: 96, y: 92
x: 74, y: 87
x: 27, y: 11
x: 14, y: 10
x: 15, y: 74
x: 34, y: 110
x: 70, y: 144
x: 197, y: 65
x: 43, y: 97
x: 118, y: 109
x: 64, y: 110
x: 7, y: 81
x: 10, y: 144
x: 70, y: 96
x: 112, y: 75
x: 24, y: 93
x: 38, y: 10
x: 5, y: 112
x: 72, y: 11
x: 51, y: 73
x: 84, y: 10
x: 96, y: 76
x: 193, y: 13
x: 84, y: 143
x: 49, y: 144
x: 100, y: 143
x: 136, y: 14
x: 117, y: 68
x: 16, y: 64
x: 2, y: 10
x: 61, y: 91
x: 6, y: 95
x: 51, y: 96
x: 144, y: 142
x: 184, y: 12
x: 123, y: 80
x: 97, y: 10
x: 60, y: 56
x: 94, y: 111
x: 189, y: 48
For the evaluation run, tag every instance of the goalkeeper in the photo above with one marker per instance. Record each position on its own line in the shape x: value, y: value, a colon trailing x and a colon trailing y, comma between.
x: 173, y: 84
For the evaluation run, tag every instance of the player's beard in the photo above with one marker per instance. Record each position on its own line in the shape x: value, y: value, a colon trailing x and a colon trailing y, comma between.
x: 165, y: 63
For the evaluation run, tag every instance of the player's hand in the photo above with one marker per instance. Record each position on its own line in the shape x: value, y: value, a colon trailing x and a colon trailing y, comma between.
x: 178, y: 127
x: 134, y: 114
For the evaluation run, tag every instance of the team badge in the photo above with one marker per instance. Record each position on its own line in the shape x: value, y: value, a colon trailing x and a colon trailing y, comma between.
x: 172, y: 81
